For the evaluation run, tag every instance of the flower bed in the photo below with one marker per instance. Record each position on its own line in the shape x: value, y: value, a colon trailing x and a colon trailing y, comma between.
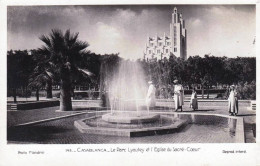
x: 32, y: 105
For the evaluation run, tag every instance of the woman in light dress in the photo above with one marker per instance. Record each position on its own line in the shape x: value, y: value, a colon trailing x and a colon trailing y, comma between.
x: 193, y: 100
x: 178, y: 95
x: 232, y: 101
x: 150, y: 97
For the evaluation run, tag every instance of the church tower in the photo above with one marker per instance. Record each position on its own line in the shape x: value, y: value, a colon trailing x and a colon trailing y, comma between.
x: 158, y: 48
x: 178, y: 35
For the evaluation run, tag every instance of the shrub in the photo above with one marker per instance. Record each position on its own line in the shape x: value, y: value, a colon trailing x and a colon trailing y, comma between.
x: 247, y: 91
x: 20, y: 93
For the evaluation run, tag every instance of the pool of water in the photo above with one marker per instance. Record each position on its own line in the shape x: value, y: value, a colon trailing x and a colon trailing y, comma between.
x: 200, y: 130
x: 161, y: 121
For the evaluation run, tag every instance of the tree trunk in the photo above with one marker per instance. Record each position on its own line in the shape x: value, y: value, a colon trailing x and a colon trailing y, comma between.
x: 26, y: 92
x: 202, y: 91
x: 14, y: 95
x: 49, y: 89
x: 72, y: 92
x: 207, y: 92
x: 65, y: 89
x: 37, y: 94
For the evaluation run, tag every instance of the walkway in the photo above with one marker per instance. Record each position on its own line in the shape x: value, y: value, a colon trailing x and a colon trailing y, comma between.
x: 21, y: 117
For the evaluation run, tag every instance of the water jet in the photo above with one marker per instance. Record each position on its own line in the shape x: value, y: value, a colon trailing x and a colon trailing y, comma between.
x: 128, y: 115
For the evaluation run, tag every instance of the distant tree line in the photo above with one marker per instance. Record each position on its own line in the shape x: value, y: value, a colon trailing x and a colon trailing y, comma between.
x: 64, y: 60
x: 25, y: 74
x: 207, y: 70
x: 204, y: 71
x: 19, y: 68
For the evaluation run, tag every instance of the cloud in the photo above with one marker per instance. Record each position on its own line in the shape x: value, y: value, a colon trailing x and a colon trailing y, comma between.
x: 126, y: 14
x: 220, y: 27
x: 106, y: 40
x: 110, y: 39
x: 195, y: 22
x: 124, y: 29
x: 107, y: 32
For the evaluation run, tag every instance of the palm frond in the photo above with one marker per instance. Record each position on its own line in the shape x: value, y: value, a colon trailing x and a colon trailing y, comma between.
x: 67, y: 35
x: 60, y: 50
x: 80, y: 45
x: 51, y: 75
x: 46, y: 40
x: 73, y: 39
x: 57, y: 40
x: 86, y: 72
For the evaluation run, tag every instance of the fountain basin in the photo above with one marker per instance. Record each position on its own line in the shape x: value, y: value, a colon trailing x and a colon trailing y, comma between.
x: 153, y: 124
x: 130, y: 118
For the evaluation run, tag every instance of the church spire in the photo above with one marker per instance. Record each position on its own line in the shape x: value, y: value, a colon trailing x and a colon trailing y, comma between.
x: 175, y: 10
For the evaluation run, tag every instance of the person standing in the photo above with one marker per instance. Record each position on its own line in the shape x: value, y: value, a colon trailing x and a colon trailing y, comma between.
x: 193, y: 100
x: 178, y: 95
x: 232, y: 101
x: 150, y: 97
x: 105, y: 99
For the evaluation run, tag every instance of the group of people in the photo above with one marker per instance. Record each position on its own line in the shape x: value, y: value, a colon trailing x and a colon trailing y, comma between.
x: 179, y: 98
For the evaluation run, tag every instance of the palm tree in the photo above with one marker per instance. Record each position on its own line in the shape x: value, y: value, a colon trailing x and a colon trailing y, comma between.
x: 42, y: 75
x: 63, y: 54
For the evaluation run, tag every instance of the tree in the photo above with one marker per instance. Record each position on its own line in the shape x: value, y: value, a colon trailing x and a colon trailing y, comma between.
x: 63, y: 53
x: 109, y: 65
x: 19, y: 67
x: 42, y: 75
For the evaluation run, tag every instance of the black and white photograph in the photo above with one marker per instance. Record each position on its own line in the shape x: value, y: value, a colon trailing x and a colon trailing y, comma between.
x: 131, y: 74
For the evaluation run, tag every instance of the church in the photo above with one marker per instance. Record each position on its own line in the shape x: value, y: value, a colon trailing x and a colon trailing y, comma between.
x: 158, y: 48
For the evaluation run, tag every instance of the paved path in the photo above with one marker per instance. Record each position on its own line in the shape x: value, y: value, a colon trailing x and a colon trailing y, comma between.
x: 25, y: 116
x: 62, y: 131
x: 20, y: 117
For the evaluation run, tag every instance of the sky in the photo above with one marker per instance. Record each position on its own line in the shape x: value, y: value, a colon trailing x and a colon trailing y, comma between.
x: 219, y: 30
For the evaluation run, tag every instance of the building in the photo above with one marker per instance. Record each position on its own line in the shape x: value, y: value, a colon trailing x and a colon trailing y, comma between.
x: 174, y: 45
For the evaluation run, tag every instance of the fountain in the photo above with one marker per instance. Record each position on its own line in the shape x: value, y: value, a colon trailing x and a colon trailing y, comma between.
x: 128, y: 114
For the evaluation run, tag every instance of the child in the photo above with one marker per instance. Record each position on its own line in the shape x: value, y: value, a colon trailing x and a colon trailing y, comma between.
x: 193, y: 100
x: 232, y: 101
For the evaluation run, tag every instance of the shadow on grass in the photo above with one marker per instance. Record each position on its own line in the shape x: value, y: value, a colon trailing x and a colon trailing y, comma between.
x: 185, y: 128
x: 246, y: 115
x: 34, y: 133
x: 206, y: 110
x: 167, y: 109
x: 90, y: 108
x: 162, y: 108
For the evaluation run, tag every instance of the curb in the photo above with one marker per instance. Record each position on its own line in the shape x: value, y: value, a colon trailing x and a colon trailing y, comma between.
x: 50, y: 119
x: 55, y: 118
x: 240, y: 101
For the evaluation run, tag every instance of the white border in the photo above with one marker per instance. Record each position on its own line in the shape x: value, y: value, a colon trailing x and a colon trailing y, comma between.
x: 209, y: 155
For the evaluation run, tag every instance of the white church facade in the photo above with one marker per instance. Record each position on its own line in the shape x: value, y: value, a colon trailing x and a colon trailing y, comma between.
x: 158, y: 48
